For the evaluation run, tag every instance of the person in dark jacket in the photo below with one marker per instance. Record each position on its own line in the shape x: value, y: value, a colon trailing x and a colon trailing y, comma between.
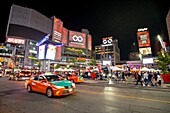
x: 139, y: 79
x: 150, y: 76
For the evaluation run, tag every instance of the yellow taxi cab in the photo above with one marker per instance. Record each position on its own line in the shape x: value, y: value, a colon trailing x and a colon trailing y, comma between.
x: 23, y: 75
x: 74, y: 78
x: 50, y: 84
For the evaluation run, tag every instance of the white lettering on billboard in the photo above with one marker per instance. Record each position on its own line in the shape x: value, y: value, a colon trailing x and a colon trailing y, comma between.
x: 107, y: 41
x: 15, y: 40
x: 77, y: 38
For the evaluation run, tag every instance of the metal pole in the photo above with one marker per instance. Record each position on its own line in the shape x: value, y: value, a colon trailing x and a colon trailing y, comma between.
x: 14, y: 55
x: 48, y: 68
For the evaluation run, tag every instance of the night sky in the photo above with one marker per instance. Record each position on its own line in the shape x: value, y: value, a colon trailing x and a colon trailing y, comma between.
x: 117, y: 18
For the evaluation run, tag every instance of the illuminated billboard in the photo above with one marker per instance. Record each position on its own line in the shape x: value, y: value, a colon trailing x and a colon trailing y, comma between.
x: 89, y: 42
x: 77, y: 39
x: 51, y: 52
x: 107, y: 40
x: 147, y: 60
x: 41, y: 52
x: 15, y: 40
x: 57, y: 29
x: 64, y: 37
x: 145, y: 51
x: 143, y: 38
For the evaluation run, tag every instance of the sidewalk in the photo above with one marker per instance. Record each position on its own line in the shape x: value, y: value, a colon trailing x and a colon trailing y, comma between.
x: 127, y: 84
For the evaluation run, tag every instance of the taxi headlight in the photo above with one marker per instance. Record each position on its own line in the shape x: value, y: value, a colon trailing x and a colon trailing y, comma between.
x: 73, y: 84
x: 59, y: 87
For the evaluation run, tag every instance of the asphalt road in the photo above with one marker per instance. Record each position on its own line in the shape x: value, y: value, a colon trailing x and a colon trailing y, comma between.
x: 87, y: 99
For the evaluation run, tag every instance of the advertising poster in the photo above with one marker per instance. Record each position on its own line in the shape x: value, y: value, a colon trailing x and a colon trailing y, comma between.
x: 143, y: 38
x: 51, y: 52
x: 89, y: 42
x: 41, y: 52
x: 77, y: 39
x: 58, y: 53
x: 145, y: 51
x: 64, y: 37
x: 57, y: 29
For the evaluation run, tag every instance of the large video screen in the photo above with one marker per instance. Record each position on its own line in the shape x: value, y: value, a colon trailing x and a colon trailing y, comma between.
x: 41, y: 52
x: 77, y: 39
x: 51, y: 52
x: 143, y: 38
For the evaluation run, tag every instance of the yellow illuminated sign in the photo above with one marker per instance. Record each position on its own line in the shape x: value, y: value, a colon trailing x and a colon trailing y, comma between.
x: 30, y: 57
x: 2, y: 46
x: 81, y: 59
x: 1, y: 59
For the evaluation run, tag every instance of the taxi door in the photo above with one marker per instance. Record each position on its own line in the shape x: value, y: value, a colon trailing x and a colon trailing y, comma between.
x: 41, y: 84
x: 74, y: 77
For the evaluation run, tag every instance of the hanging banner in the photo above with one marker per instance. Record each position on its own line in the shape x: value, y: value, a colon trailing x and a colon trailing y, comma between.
x: 98, y: 67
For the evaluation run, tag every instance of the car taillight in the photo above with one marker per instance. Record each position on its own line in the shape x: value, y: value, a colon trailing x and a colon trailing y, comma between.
x: 21, y: 74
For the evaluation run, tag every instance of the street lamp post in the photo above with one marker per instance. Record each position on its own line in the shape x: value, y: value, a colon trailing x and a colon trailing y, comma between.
x: 162, y: 43
x: 140, y: 56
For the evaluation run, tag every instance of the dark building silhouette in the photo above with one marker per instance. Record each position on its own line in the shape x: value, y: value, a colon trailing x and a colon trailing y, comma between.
x: 134, y: 54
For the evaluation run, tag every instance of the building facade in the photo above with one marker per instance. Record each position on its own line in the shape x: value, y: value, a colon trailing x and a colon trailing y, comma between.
x: 27, y: 26
x: 108, y: 52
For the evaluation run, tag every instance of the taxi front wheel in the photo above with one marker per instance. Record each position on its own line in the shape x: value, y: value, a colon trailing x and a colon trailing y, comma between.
x: 29, y: 88
x: 16, y: 79
x: 49, y: 92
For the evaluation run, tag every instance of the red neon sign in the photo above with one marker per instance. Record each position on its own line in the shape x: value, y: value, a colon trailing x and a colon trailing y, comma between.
x: 15, y: 40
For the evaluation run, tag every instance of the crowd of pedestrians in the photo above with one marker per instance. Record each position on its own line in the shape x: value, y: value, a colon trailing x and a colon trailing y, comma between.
x: 149, y: 78
x: 145, y: 78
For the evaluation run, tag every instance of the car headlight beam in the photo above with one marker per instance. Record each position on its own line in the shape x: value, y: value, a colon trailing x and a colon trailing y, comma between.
x: 59, y: 87
x: 74, y: 85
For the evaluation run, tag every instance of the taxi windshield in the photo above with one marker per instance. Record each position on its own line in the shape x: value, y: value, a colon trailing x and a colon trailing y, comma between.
x: 52, y: 78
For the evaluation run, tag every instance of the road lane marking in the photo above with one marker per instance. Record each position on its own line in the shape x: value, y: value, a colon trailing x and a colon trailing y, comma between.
x: 64, y: 103
x: 123, y: 96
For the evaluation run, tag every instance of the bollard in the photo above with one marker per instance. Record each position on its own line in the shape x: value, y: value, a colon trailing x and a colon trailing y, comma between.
x: 110, y: 81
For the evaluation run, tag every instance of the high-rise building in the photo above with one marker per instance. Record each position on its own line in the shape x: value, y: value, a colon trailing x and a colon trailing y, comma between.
x: 27, y: 23
x: 134, y: 54
x: 108, y: 52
